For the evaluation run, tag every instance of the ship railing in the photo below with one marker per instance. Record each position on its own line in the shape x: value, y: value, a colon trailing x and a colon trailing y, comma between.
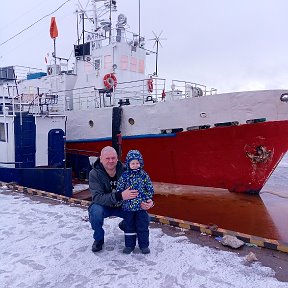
x: 130, y: 92
x: 13, y: 73
x: 98, y: 40
x: 86, y: 98
x: 43, y: 101
x: 32, y: 103
x: 185, y: 89
x: 23, y: 72
x: 17, y: 73
x: 136, y: 92
x: 140, y: 91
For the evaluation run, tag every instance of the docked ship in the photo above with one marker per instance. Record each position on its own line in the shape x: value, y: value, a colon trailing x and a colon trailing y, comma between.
x: 188, y: 134
x: 32, y: 140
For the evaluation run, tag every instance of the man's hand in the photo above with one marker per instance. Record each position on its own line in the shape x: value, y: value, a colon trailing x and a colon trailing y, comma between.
x: 129, y: 194
x: 147, y: 205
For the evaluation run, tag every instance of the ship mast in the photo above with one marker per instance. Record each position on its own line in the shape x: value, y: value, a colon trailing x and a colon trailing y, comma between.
x: 110, y: 21
x: 139, y: 17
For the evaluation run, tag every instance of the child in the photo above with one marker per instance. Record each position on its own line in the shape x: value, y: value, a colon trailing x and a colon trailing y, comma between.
x: 136, y: 220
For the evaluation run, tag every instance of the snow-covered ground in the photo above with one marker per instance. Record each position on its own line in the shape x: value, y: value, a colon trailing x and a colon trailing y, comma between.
x: 48, y: 245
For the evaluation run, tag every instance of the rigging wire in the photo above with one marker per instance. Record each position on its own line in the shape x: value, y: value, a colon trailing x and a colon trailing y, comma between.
x: 34, y: 23
x: 20, y: 17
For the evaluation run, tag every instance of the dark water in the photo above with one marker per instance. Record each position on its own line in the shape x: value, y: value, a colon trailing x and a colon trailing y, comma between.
x: 265, y: 215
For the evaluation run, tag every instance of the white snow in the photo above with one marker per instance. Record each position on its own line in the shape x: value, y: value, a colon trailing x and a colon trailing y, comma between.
x: 48, y: 245
x: 80, y: 187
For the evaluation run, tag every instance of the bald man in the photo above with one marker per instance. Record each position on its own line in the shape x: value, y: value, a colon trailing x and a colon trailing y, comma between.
x: 106, y: 201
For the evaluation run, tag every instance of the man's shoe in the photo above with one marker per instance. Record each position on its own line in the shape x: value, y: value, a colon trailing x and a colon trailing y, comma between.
x: 145, y: 250
x: 121, y: 225
x: 128, y: 250
x: 97, y: 246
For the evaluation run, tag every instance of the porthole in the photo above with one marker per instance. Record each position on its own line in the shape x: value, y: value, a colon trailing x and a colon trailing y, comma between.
x: 91, y: 123
x: 131, y: 121
x: 284, y: 97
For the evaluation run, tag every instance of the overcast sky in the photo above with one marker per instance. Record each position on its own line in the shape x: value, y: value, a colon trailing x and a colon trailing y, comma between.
x: 226, y: 44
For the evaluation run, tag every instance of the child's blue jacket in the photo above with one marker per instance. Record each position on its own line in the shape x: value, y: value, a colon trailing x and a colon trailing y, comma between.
x: 135, y: 179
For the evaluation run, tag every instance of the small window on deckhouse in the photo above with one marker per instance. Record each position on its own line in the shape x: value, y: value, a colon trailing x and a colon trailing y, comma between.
x: 2, y: 132
x: 97, y: 64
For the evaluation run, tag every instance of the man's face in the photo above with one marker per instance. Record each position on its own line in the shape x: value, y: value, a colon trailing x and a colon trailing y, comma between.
x: 109, y: 160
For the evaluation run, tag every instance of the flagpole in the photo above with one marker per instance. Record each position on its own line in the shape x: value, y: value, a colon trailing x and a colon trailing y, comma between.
x: 54, y: 50
x: 54, y: 35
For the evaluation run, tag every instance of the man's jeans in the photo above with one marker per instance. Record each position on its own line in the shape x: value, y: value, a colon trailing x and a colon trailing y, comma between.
x: 97, y: 214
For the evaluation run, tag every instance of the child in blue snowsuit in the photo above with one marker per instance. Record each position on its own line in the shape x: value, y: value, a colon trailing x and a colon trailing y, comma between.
x: 136, y: 219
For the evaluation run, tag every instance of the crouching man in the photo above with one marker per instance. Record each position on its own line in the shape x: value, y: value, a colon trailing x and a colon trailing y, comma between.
x: 106, y: 201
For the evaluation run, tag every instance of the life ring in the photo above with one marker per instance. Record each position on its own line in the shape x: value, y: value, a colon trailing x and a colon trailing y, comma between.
x: 110, y: 81
x: 49, y: 70
x: 150, y: 85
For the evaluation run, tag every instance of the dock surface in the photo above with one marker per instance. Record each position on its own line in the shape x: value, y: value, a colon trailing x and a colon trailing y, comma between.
x: 45, y: 243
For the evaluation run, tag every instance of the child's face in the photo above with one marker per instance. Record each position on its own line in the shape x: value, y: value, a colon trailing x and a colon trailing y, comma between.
x: 134, y: 164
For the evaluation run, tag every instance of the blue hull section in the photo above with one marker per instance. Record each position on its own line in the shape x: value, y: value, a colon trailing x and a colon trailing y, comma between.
x: 55, y: 180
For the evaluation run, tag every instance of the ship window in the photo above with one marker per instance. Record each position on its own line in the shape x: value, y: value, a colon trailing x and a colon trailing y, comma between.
x: 133, y: 64
x: 107, y: 62
x: 91, y: 123
x: 201, y: 127
x: 258, y: 120
x: 172, y: 130
x: 124, y: 62
x: 226, y: 124
x: 97, y: 64
x: 141, y: 68
x: 2, y: 132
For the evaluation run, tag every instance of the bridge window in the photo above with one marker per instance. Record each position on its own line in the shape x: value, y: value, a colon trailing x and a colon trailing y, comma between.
x: 141, y: 68
x: 124, y: 62
x: 133, y: 64
x: 107, y: 62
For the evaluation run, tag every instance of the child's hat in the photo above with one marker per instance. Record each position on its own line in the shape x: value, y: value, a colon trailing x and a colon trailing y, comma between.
x: 134, y: 155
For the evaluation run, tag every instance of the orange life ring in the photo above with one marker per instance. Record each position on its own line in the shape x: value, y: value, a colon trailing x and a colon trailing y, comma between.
x: 110, y: 81
x: 150, y: 85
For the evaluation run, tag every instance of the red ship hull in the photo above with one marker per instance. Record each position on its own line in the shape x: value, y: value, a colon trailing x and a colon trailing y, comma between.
x: 237, y: 158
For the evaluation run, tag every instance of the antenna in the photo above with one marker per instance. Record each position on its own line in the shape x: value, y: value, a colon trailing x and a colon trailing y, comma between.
x: 83, y: 14
x: 139, y: 23
x: 157, y: 43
